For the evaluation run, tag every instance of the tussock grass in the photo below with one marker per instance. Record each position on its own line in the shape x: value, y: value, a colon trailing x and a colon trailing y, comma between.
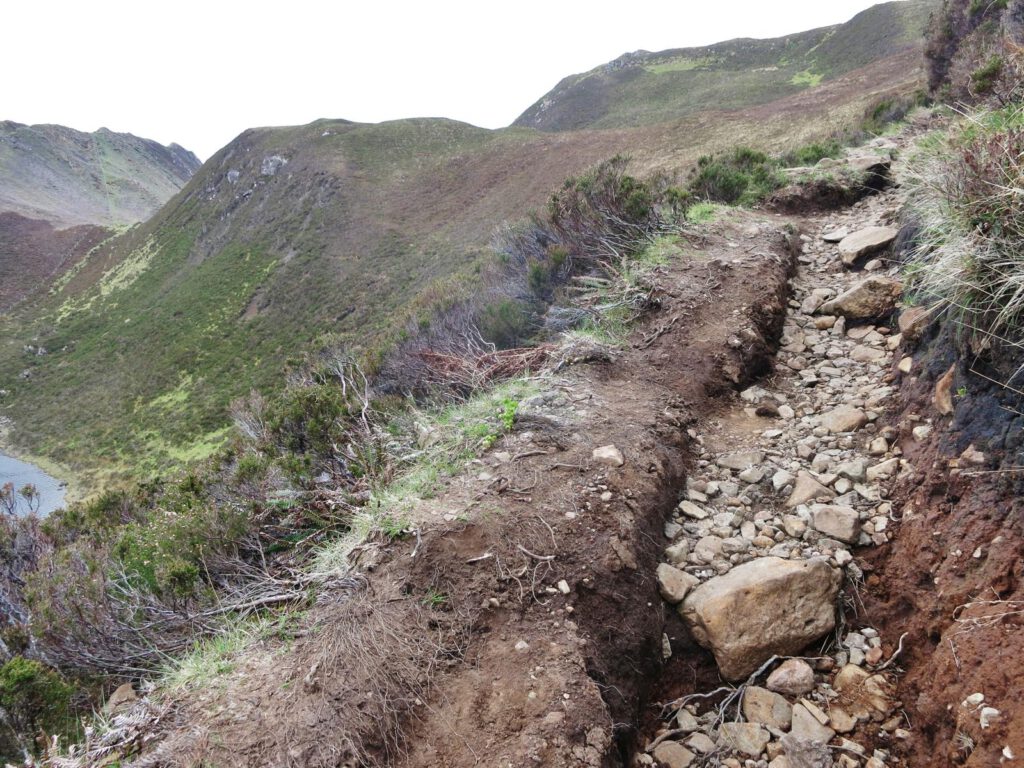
x: 968, y: 196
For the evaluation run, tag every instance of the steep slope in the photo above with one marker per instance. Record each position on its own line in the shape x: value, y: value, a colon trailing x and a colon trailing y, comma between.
x: 334, y: 228
x: 67, y: 177
x: 642, y: 87
x: 33, y: 253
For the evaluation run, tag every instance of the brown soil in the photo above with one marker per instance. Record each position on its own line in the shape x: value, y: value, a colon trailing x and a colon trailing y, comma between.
x: 951, y: 580
x: 509, y: 669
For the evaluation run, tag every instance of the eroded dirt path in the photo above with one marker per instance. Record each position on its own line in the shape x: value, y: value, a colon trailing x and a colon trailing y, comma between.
x: 581, y: 559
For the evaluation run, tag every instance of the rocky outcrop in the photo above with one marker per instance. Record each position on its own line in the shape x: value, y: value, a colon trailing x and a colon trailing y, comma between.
x: 766, y: 607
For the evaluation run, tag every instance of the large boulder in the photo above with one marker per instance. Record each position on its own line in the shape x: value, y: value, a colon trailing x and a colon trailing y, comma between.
x: 870, y: 299
x: 865, y: 242
x: 762, y: 608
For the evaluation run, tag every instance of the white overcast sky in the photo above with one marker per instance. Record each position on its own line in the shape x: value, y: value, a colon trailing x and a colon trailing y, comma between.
x: 199, y: 73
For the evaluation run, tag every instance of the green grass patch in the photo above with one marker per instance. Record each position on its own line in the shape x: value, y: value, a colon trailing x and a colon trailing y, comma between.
x: 807, y: 79
x: 703, y: 213
x: 681, y: 64
x: 216, y: 656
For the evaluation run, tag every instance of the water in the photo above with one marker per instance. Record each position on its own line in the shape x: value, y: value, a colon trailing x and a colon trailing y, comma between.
x: 21, y: 473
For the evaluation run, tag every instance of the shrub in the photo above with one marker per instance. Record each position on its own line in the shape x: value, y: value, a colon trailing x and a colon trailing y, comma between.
x: 810, y: 154
x: 742, y: 176
x: 979, y: 7
x: 36, y: 698
x: 984, y: 78
x: 507, y: 323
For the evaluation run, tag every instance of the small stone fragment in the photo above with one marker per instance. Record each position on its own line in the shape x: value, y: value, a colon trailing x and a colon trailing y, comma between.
x: 943, y: 397
x: 767, y: 708
x: 608, y: 455
x: 673, y: 584
x: 746, y: 738
x: 673, y: 754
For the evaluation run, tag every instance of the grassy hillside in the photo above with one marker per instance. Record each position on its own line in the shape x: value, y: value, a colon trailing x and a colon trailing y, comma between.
x: 642, y: 88
x: 67, y: 177
x: 290, y: 234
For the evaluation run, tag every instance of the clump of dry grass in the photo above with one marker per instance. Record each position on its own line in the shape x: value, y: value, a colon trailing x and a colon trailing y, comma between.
x: 969, y: 262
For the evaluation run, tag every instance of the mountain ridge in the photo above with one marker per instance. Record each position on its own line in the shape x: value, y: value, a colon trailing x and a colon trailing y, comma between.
x: 647, y: 87
x: 69, y: 177
x: 335, y: 229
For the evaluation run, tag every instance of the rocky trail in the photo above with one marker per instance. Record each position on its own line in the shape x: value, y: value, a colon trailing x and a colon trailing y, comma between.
x: 689, y: 551
x: 791, y: 485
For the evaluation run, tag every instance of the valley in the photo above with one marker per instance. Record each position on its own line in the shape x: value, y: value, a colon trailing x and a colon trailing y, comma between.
x: 290, y: 239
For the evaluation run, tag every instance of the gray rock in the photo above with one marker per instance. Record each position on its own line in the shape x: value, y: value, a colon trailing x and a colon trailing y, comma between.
x: 673, y: 584
x: 794, y: 526
x: 701, y: 743
x: 845, y: 418
x: 865, y: 354
x: 679, y: 552
x: 608, y: 455
x: 855, y: 470
x: 707, y: 549
x: 740, y: 461
x: 871, y: 299
x: 746, y: 738
x: 752, y: 475
x: 767, y: 708
x: 836, y: 235
x: 781, y: 479
x: 865, y: 242
x: 807, y: 727
x: 673, y: 754
x: 764, y: 607
x: 882, y: 470
x: 802, y: 753
x: 842, y: 523
x: 690, y: 509
x: 808, y: 489
x: 794, y: 677
x: 685, y: 721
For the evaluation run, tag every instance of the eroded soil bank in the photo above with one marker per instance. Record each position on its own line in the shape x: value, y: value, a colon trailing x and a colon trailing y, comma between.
x: 521, y: 625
